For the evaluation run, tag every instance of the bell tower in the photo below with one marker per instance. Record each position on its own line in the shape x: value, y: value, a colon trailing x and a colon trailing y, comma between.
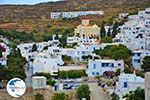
x: 85, y: 21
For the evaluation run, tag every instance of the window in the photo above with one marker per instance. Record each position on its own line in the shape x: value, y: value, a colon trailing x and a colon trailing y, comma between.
x: 93, y: 73
x: 138, y: 61
x: 94, y: 66
x: 97, y: 73
x: 125, y: 85
x: 119, y: 64
x: 103, y: 65
x: 138, y: 54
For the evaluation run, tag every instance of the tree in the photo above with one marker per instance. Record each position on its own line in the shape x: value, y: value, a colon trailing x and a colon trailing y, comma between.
x: 115, y: 31
x: 118, y: 71
x: 71, y: 74
x: 60, y: 96
x: 115, y: 52
x: 63, y: 40
x: 146, y: 64
x: 4, y: 73
x: 83, y: 92
x: 34, y: 48
x: 138, y: 94
x: 56, y: 37
x: 67, y: 59
x: 107, y: 39
x: 16, y: 64
x: 39, y: 97
x: 102, y: 31
x: 114, y: 96
x: 1, y: 55
x: 109, y: 32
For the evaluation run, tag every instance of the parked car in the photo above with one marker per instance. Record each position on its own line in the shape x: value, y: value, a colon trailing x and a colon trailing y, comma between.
x: 67, y: 86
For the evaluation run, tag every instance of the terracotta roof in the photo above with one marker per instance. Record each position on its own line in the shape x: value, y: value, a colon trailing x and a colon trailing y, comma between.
x: 85, y: 18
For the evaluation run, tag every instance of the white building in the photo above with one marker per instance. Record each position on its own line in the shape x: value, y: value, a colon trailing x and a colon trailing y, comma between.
x: 135, y: 33
x: 76, y: 53
x: 39, y: 82
x: 128, y: 82
x: 147, y: 86
x: 26, y: 48
x: 123, y: 15
x: 137, y: 57
x: 73, y: 14
x: 43, y: 62
x: 99, y: 67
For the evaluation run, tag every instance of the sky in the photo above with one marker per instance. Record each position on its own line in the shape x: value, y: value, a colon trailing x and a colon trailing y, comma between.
x: 30, y: 2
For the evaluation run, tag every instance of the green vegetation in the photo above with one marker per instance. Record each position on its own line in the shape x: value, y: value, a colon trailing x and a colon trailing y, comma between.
x: 60, y: 96
x: 39, y: 97
x: 128, y: 70
x: 114, y: 96
x: 118, y: 71
x: 115, y: 31
x: 102, y: 31
x: 4, y: 73
x: 1, y: 55
x: 83, y: 92
x: 67, y: 59
x: 16, y: 65
x: 146, y: 64
x: 115, y: 52
x: 21, y: 36
x: 50, y: 81
x: 107, y: 39
x: 36, y: 35
x: 71, y: 74
x: 140, y: 73
x: 138, y: 94
x: 63, y: 40
x: 34, y: 48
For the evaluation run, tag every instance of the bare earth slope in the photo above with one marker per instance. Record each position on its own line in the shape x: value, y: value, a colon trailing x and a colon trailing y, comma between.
x: 12, y: 16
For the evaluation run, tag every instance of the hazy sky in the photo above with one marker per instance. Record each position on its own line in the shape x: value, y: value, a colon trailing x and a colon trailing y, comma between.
x: 24, y: 1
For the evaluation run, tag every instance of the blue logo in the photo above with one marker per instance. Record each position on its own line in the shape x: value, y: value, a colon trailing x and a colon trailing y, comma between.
x: 16, y: 87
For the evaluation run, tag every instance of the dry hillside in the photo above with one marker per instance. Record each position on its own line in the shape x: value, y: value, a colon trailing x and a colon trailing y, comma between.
x: 31, y: 17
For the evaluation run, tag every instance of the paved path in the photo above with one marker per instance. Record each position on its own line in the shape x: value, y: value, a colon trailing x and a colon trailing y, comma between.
x: 97, y: 92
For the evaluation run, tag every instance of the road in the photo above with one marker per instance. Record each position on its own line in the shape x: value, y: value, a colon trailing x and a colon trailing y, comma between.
x: 97, y: 92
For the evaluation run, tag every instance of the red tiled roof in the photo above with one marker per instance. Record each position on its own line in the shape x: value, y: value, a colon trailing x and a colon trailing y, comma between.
x: 85, y: 18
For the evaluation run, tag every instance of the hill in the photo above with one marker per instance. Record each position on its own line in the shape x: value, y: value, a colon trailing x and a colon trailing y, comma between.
x: 31, y: 17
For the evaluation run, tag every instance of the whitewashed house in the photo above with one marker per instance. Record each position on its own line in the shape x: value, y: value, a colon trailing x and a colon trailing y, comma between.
x: 128, y: 82
x: 123, y: 15
x: 99, y: 67
x: 76, y: 53
x: 73, y: 14
x: 43, y: 62
x: 26, y: 48
x: 38, y: 82
x: 137, y: 57
x: 135, y: 33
